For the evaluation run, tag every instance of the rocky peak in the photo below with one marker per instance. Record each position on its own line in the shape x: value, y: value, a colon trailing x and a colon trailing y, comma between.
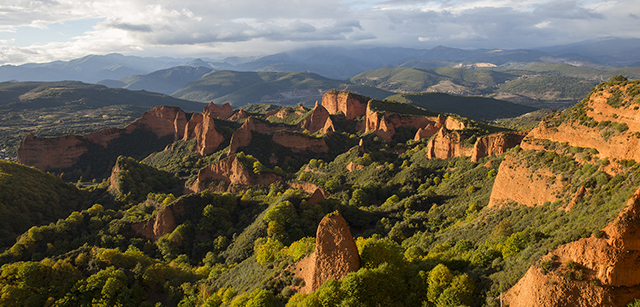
x: 221, y: 112
x: 351, y: 105
x: 335, y: 256
x: 208, y: 138
x: 317, y: 120
x: 242, y: 136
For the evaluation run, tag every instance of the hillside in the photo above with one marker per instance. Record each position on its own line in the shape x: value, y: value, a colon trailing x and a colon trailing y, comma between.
x: 165, y: 81
x: 357, y: 201
x: 478, y: 108
x: 241, y: 88
x: 30, y: 197
x: 69, y: 107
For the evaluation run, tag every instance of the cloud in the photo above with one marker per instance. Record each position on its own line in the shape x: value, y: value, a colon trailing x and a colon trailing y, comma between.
x: 247, y: 26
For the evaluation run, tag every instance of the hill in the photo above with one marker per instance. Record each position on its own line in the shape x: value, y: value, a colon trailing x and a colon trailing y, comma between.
x: 69, y: 107
x: 241, y: 88
x: 31, y: 197
x: 478, y: 108
x: 165, y: 81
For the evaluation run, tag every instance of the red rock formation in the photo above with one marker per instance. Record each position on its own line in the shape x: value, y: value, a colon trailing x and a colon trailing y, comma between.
x: 426, y: 132
x: 317, y: 121
x: 335, y: 256
x: 190, y: 127
x: 228, y: 172
x: 518, y: 183
x: 351, y: 105
x: 221, y: 112
x: 316, y: 197
x: 300, y: 143
x: 446, y: 144
x: 239, y: 115
x: 61, y: 152
x: 208, y: 138
x: 163, y: 223
x: 454, y: 124
x: 241, y: 137
x: 610, y: 261
x: 495, y: 144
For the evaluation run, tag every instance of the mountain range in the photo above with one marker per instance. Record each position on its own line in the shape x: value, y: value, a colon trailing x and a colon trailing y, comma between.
x: 336, y: 63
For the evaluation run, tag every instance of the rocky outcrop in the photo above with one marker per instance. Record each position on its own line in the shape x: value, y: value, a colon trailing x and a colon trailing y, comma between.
x: 349, y: 104
x: 162, y: 223
x: 335, y: 255
x: 228, y: 175
x: 495, y: 144
x: 609, y: 262
x: 351, y: 167
x: 190, y: 127
x: 317, y: 121
x: 62, y: 152
x: 527, y: 186
x: 316, y: 197
x: 221, y: 112
x: 613, y: 131
x: 299, y: 142
x: 426, y: 132
x: 446, y: 144
x: 241, y: 137
x: 241, y: 114
x: 208, y: 138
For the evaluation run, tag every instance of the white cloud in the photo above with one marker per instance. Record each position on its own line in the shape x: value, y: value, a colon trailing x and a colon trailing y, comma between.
x: 253, y: 27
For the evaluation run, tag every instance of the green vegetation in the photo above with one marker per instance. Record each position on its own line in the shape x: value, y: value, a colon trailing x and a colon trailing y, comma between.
x: 424, y: 232
x: 548, y: 87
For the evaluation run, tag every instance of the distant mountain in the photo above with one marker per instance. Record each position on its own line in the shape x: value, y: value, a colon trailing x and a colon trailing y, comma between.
x: 91, y: 68
x: 165, y: 81
x: 330, y: 62
x: 241, y: 88
x: 611, y: 50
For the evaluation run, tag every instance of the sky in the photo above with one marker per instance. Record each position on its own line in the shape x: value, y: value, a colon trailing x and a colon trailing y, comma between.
x: 48, y: 30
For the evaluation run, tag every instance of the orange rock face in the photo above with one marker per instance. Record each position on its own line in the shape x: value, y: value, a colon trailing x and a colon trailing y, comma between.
x: 495, y: 144
x: 239, y: 115
x: 335, y: 256
x: 317, y: 120
x: 351, y: 105
x: 208, y: 138
x: 61, y: 152
x: 299, y: 143
x: 226, y: 174
x: 221, y: 112
x: 425, y: 133
x: 530, y: 187
x: 190, y: 127
x: 610, y: 261
x: 241, y: 137
x: 446, y: 144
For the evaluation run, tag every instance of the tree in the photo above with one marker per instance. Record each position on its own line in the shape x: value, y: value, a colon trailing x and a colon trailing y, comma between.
x: 439, y: 279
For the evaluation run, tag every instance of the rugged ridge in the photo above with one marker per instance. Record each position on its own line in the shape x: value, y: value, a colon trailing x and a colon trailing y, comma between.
x: 350, y: 104
x: 226, y: 175
x: 610, y: 264
x: 49, y: 154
